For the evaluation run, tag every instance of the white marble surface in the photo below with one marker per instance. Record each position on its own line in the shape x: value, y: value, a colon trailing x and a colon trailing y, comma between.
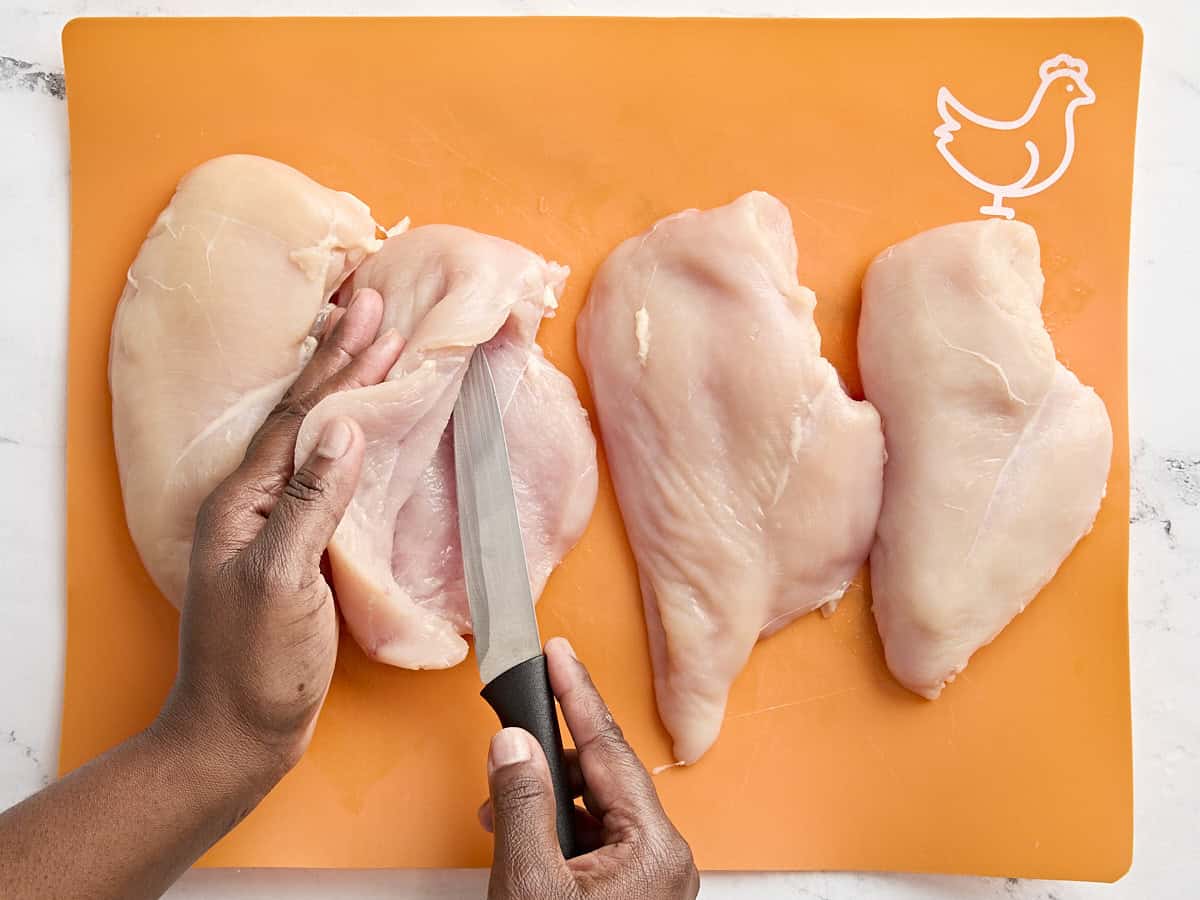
x: 1165, y: 427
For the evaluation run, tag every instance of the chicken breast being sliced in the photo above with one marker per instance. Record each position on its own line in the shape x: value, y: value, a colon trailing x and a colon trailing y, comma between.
x: 214, y: 324
x: 396, y: 560
x: 997, y: 455
x: 748, y: 480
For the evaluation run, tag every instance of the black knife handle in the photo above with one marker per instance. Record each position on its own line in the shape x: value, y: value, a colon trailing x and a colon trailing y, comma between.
x: 522, y: 698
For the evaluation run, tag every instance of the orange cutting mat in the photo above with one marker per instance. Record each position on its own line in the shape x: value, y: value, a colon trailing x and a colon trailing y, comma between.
x: 568, y: 135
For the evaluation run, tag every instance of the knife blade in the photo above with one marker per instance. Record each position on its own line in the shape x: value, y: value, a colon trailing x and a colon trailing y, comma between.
x: 508, y: 648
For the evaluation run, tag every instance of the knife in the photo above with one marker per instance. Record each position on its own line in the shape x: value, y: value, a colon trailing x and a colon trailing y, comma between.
x: 508, y: 648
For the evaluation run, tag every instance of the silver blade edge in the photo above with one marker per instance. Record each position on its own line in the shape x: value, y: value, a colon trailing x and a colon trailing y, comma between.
x: 493, y: 554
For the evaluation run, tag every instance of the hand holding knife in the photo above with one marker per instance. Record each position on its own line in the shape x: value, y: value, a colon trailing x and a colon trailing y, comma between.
x: 508, y: 647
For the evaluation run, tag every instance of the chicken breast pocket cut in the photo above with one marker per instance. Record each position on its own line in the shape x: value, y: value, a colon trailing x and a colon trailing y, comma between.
x: 218, y: 318
x: 396, y: 559
x: 748, y: 480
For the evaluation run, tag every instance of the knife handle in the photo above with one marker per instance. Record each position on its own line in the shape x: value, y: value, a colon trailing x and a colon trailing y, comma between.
x: 522, y: 698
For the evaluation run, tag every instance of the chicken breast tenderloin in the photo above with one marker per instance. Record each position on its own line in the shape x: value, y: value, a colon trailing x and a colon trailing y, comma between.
x: 748, y: 480
x: 214, y: 324
x: 997, y: 455
x: 396, y: 558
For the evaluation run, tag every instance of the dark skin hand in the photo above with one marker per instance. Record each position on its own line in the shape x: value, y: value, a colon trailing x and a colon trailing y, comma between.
x: 258, y: 636
x: 634, y: 852
x: 258, y: 639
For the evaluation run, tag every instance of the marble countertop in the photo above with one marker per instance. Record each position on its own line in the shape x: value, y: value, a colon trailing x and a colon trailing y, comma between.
x: 1164, y: 589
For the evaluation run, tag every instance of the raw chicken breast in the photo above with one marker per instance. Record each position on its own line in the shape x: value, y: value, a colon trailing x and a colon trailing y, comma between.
x: 748, y: 480
x: 997, y: 455
x: 396, y: 560
x: 214, y: 324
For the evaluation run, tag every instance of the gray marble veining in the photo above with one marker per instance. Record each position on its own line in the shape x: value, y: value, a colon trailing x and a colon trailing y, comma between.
x: 19, y: 74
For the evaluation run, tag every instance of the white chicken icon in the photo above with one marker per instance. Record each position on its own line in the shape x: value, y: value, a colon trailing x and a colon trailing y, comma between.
x: 1062, y: 91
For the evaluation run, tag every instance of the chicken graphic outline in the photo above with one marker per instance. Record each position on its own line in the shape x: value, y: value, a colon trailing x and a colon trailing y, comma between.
x: 1063, y: 72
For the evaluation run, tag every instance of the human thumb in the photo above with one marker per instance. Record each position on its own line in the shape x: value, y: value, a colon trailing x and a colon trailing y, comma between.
x: 527, y: 862
x: 315, y: 499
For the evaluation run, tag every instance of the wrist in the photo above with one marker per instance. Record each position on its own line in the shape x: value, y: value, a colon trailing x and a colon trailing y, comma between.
x: 219, y: 752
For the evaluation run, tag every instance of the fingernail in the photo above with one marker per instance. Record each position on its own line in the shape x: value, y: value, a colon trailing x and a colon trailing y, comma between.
x: 566, y: 645
x: 354, y: 297
x: 509, y: 747
x: 335, y: 440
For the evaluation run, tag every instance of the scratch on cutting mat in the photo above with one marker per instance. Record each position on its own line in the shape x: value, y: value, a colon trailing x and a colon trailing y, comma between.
x: 846, y: 206
x: 806, y: 700
x: 811, y: 218
x: 658, y: 770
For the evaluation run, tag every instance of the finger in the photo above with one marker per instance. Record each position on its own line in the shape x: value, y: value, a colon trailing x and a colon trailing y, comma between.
x: 354, y: 331
x: 313, y: 503
x: 615, y: 777
x: 575, y: 783
x: 574, y: 774
x: 351, y: 335
x: 269, y: 458
x: 589, y: 832
x: 523, y: 812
